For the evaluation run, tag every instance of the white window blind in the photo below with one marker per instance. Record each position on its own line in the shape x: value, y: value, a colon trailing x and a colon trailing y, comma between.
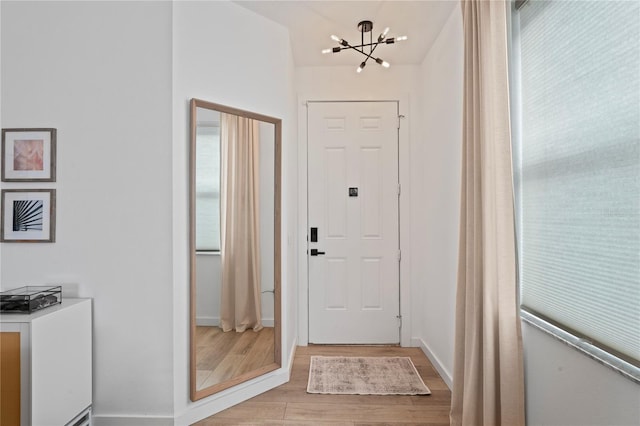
x: 208, y: 188
x: 577, y: 169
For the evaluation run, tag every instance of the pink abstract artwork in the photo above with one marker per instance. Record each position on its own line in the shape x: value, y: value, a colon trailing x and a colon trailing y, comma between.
x: 28, y: 154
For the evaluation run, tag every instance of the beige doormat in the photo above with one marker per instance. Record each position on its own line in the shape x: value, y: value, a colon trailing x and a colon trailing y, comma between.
x: 365, y: 376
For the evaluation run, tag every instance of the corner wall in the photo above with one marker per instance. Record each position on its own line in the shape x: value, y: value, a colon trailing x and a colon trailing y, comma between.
x: 436, y: 171
x: 87, y: 69
x: 251, y: 69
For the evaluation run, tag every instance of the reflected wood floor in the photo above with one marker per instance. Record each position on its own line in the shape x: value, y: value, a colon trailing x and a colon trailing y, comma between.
x: 221, y: 356
x: 290, y: 404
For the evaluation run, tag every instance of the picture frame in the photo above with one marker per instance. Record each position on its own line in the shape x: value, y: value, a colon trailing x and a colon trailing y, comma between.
x: 28, y: 155
x: 28, y: 216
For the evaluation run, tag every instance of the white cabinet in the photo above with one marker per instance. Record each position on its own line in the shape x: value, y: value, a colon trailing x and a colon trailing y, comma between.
x: 55, y: 363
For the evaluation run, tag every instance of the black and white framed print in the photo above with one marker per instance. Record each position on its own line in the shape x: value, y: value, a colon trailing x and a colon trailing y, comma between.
x: 28, y: 155
x: 28, y: 216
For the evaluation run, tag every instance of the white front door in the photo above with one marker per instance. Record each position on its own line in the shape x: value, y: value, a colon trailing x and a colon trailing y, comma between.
x: 354, y: 274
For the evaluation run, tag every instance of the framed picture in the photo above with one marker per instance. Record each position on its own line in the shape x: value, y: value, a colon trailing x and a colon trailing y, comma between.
x: 28, y: 216
x: 28, y: 155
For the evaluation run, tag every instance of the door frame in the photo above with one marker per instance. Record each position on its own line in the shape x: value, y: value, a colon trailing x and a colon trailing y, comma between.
x: 404, y: 214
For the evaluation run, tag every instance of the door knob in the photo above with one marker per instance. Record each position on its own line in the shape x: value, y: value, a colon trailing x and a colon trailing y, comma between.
x: 315, y: 252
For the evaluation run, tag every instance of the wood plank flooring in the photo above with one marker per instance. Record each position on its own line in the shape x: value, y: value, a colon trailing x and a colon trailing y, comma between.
x: 290, y: 404
x: 221, y: 356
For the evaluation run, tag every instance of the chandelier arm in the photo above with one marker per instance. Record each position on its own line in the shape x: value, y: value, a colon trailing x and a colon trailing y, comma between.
x: 361, y: 45
x: 368, y: 55
x: 374, y: 48
x: 358, y: 50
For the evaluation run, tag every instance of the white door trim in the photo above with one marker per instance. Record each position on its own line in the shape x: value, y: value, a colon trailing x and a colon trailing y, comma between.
x: 405, y: 216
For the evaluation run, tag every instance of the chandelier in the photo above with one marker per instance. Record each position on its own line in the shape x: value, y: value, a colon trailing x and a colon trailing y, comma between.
x: 365, y: 27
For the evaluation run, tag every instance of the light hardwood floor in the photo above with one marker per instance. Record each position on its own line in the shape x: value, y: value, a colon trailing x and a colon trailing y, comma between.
x: 290, y: 404
x: 221, y: 356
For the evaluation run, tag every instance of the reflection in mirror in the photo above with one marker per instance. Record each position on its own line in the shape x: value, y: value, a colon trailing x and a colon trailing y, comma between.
x: 235, y: 246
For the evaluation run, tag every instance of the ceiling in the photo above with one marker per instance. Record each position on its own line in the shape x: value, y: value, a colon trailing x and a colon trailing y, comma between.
x: 312, y: 22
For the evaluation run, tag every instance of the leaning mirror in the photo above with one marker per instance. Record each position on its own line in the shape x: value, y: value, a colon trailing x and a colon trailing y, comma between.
x: 234, y: 246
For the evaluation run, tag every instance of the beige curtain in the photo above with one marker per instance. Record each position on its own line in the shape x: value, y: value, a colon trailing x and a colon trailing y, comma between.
x: 488, y: 383
x: 239, y: 223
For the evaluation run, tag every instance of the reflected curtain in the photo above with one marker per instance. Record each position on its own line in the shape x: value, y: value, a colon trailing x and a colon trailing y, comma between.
x: 488, y: 377
x: 239, y: 223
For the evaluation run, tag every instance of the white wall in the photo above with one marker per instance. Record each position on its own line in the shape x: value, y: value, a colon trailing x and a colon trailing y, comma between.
x: 267, y: 194
x: 89, y: 70
x: 436, y: 169
x: 208, y: 282
x: 373, y: 83
x: 566, y: 388
x: 226, y: 54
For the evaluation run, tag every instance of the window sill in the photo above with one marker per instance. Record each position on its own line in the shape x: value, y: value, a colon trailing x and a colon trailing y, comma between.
x: 621, y: 367
x: 207, y: 253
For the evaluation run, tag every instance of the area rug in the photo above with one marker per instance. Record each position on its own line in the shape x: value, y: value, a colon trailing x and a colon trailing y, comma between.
x: 365, y: 376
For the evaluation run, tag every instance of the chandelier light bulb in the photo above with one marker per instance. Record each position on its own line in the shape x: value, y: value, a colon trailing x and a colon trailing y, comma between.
x: 362, y: 65
x: 335, y: 38
x: 383, y: 63
x: 327, y: 50
x: 383, y: 35
x: 401, y: 38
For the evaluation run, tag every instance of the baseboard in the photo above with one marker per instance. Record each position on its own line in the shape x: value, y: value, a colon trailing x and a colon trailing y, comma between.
x: 437, y: 364
x: 104, y: 420
x: 215, y: 321
x: 208, y: 321
x: 292, y: 355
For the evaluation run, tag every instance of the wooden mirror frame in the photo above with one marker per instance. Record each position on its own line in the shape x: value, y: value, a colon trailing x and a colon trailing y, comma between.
x: 196, y: 394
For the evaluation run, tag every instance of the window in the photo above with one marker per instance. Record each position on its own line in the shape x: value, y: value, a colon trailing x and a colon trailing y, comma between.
x: 577, y: 172
x: 208, y: 187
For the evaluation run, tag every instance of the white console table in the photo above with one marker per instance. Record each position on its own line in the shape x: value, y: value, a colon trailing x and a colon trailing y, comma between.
x: 55, y: 359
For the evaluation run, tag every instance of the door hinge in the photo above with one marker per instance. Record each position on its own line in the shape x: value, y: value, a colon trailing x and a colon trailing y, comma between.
x: 399, y: 189
x: 399, y: 317
x: 399, y: 255
x: 400, y: 117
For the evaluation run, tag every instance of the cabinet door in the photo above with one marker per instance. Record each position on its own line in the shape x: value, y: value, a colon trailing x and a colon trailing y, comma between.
x: 10, y: 378
x: 61, y: 364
